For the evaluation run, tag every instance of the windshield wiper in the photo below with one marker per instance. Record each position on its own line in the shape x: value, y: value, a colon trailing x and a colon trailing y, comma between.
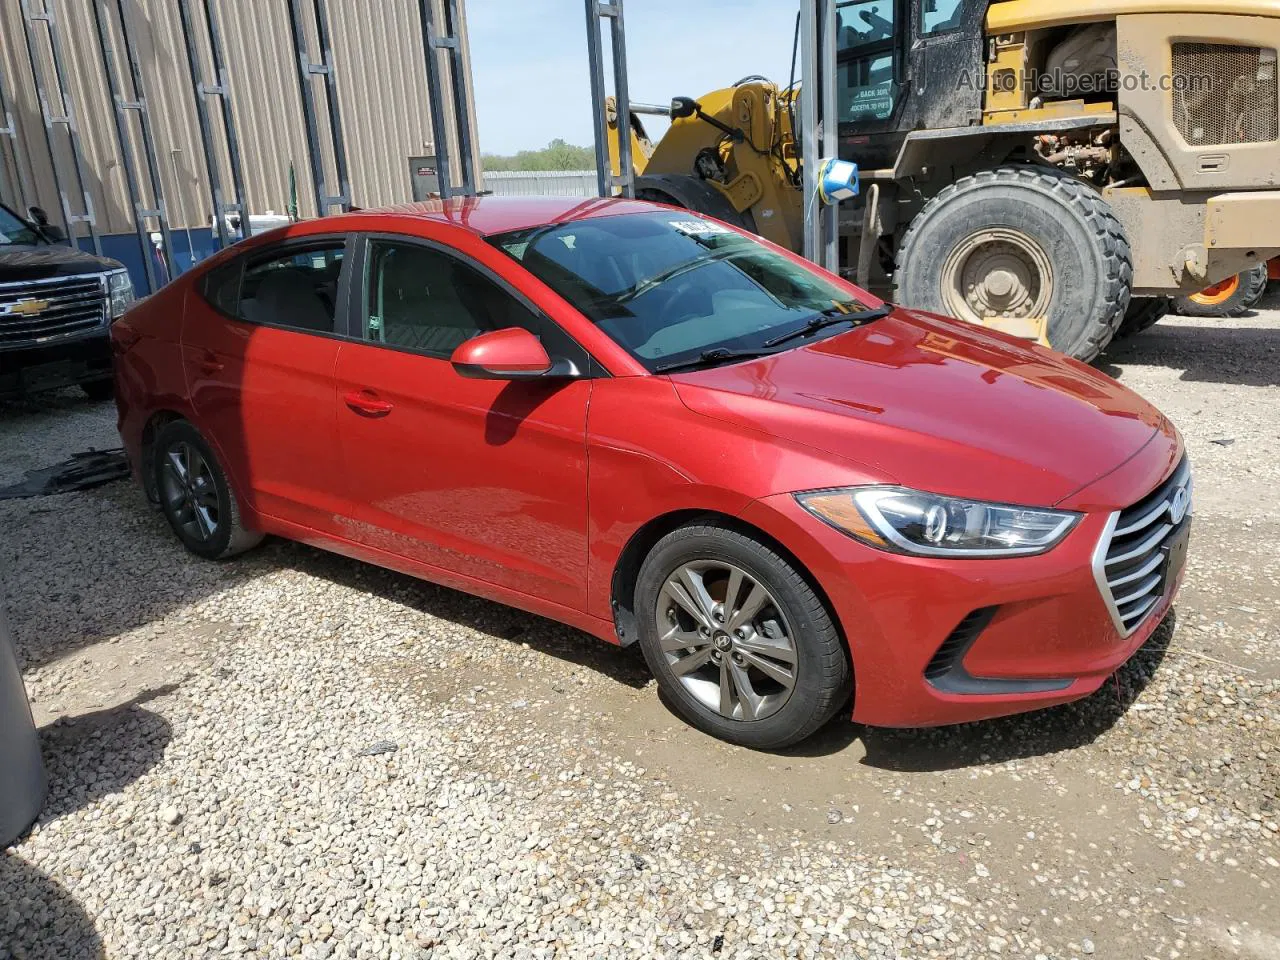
x: 830, y: 318
x: 680, y: 269
x: 718, y: 355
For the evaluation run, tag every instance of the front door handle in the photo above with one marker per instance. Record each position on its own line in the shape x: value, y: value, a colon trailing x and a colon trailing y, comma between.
x: 367, y: 404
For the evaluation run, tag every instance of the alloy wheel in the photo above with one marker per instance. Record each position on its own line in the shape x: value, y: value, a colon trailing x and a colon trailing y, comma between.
x: 190, y: 492
x: 726, y: 639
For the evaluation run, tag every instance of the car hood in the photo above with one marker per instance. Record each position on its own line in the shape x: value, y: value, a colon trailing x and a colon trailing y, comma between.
x: 44, y: 262
x: 935, y: 404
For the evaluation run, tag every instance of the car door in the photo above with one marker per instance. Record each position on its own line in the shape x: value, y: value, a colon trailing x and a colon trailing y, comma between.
x: 486, y: 479
x: 259, y: 346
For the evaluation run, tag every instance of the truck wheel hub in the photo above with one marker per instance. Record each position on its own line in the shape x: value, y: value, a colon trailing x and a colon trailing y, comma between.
x: 997, y: 273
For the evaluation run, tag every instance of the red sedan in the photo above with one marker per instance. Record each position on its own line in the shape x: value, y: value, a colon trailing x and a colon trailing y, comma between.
x: 659, y: 429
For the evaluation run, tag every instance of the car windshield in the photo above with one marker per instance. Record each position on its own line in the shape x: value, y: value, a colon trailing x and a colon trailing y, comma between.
x: 670, y: 286
x: 15, y: 231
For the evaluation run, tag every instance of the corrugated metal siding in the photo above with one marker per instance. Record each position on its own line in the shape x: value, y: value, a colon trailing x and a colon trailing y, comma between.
x: 541, y: 183
x: 379, y: 72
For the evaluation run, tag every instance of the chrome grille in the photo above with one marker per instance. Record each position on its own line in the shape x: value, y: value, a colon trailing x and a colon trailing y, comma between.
x: 1130, y: 562
x: 1225, y: 94
x: 71, y: 305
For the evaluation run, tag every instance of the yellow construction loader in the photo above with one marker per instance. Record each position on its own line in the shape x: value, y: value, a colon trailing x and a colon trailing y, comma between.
x: 1055, y: 168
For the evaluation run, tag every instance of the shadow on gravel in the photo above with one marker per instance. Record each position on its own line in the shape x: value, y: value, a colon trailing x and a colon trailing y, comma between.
x: 53, y: 402
x: 96, y: 754
x: 496, y: 619
x: 40, y: 919
x: 1205, y: 354
x: 1026, y: 735
x: 54, y: 616
x: 88, y: 757
x: 130, y: 572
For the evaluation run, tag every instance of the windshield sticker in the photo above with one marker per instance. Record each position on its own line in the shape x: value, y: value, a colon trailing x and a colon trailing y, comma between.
x: 699, y: 228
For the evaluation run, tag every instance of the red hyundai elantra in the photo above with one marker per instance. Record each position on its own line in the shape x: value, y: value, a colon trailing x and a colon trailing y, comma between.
x: 662, y: 430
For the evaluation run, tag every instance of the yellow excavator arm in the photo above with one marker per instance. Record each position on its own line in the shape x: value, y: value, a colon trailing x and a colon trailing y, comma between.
x: 738, y: 142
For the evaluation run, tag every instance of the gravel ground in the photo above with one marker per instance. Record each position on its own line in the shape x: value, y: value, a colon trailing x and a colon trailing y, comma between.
x: 294, y: 754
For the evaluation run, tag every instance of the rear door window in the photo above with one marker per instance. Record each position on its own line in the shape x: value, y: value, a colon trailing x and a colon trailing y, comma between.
x: 296, y: 287
x: 222, y: 287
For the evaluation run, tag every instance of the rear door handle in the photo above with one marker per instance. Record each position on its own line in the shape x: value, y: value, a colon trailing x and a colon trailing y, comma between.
x: 366, y: 403
x: 210, y: 364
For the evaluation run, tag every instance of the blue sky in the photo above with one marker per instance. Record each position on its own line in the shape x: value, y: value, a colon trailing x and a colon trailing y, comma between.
x: 529, y: 60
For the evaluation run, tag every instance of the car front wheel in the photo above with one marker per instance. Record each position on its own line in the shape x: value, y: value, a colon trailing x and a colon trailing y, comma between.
x: 741, y: 645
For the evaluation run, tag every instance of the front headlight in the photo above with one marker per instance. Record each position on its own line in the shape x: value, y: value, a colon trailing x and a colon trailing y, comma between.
x: 926, y: 524
x: 119, y: 292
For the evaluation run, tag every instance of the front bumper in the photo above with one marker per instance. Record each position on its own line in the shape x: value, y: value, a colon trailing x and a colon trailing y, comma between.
x: 61, y: 363
x: 1025, y: 632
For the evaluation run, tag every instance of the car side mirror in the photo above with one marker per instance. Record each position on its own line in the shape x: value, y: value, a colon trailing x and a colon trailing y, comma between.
x: 44, y: 227
x: 510, y: 354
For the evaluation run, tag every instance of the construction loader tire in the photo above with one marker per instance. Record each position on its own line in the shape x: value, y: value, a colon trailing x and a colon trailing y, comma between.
x: 1143, y: 314
x: 694, y: 194
x: 1019, y: 243
x: 1233, y: 297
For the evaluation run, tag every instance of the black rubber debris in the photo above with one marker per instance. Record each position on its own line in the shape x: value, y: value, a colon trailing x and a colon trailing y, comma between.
x: 82, y: 471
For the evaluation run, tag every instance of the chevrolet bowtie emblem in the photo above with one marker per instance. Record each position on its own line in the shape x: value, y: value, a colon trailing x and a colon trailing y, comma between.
x: 25, y: 308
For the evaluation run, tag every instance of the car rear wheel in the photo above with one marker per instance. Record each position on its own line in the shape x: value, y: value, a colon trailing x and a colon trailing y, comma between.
x: 740, y: 643
x: 196, y: 499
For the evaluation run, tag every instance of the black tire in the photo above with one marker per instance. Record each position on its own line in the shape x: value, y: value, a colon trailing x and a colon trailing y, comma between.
x: 1070, y: 224
x: 1258, y: 282
x: 691, y: 193
x: 1143, y: 314
x: 228, y: 535
x: 821, y: 671
x: 1250, y: 287
x: 99, y: 390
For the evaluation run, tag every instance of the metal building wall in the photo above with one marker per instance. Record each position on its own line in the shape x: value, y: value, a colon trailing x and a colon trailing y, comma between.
x: 379, y: 72
x: 542, y: 183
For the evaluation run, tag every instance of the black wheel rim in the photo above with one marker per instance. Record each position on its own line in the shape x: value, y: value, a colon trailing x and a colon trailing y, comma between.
x: 190, y: 493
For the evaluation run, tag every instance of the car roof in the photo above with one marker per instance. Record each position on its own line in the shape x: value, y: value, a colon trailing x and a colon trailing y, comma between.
x: 489, y: 215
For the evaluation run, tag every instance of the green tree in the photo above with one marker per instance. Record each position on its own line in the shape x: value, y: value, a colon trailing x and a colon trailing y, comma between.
x: 557, y: 155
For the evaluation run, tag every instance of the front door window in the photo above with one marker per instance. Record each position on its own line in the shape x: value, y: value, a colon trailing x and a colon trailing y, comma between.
x: 423, y: 300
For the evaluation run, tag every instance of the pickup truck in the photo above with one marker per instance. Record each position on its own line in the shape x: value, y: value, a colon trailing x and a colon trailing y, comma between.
x: 56, y: 308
